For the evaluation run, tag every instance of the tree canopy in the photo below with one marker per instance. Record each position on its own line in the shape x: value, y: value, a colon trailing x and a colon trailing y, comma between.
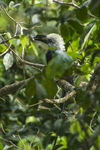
x: 31, y: 90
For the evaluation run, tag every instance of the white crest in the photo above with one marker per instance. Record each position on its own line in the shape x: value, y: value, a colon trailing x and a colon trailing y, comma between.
x: 57, y: 41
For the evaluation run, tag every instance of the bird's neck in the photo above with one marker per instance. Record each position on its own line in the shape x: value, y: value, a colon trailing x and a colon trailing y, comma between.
x: 49, y: 55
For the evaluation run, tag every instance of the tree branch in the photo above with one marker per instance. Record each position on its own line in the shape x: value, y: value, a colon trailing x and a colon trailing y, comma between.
x: 65, y: 85
x: 93, y: 84
x: 65, y: 3
x: 6, y: 51
x: 9, y: 89
x: 23, y: 61
x: 95, y: 79
x: 61, y: 100
x: 73, y: 5
x: 20, y: 59
x: 4, y: 41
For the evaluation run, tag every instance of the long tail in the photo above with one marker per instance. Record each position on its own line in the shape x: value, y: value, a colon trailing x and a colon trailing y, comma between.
x: 62, y: 105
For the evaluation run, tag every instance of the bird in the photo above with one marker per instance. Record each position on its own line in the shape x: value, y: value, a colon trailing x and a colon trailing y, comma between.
x: 56, y: 42
x: 52, y: 39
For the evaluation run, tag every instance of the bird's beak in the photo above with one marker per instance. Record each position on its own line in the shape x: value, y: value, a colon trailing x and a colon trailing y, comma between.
x: 41, y: 38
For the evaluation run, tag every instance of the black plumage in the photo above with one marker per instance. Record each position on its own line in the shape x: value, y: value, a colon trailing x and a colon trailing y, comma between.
x: 49, y: 55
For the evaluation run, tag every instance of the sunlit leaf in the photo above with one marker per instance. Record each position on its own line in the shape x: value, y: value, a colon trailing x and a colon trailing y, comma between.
x: 13, y: 5
x: 88, y: 30
x: 76, y: 128
x: 24, y: 41
x: 1, y: 145
x: 7, y: 147
x: 8, y: 60
x: 8, y: 35
x: 2, y: 48
x: 34, y: 49
x: 15, y: 42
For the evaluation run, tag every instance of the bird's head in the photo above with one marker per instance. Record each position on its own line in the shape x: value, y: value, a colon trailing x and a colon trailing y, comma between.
x: 52, y: 39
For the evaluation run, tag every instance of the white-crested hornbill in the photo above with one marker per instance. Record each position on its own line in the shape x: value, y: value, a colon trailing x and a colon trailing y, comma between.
x: 57, y: 42
x: 52, y: 40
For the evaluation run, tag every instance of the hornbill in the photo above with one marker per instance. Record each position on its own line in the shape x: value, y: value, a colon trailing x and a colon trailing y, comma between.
x: 57, y: 42
x: 52, y: 40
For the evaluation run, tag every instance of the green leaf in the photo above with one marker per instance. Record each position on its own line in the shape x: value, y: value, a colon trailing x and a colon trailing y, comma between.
x: 86, y: 68
x: 40, y: 90
x: 8, y: 34
x: 7, y: 147
x: 95, y: 7
x: 15, y: 42
x: 86, y: 3
x: 59, y: 64
x: 76, y: 25
x: 24, y: 41
x: 34, y: 49
x: 58, y: 124
x: 2, y: 48
x: 50, y: 87
x: 95, y: 135
x: 8, y: 60
x: 13, y: 5
x: 34, y: 10
x: 65, y: 31
x: 76, y: 128
x: 95, y: 56
x: 1, y: 145
x: 88, y: 30
x: 81, y: 13
x: 84, y: 100
x: 30, y: 89
x: 3, y: 4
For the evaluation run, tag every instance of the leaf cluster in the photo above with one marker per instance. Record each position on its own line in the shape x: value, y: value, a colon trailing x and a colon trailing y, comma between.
x: 26, y: 120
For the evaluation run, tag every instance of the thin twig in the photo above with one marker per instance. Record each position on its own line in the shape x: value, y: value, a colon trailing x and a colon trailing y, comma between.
x: 27, y: 62
x: 23, y: 55
x: 16, y: 28
x: 6, y: 51
x: 26, y: 106
x: 5, y: 41
x: 65, y: 3
x: 21, y: 140
x: 71, y: 46
x: 2, y: 99
x: 33, y: 1
x: 3, y: 129
x: 55, y: 142
x: 9, y: 15
x: 10, y: 142
x: 73, y: 5
x: 24, y: 61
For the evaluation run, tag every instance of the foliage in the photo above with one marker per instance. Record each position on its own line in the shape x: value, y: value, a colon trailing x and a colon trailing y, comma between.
x: 27, y: 121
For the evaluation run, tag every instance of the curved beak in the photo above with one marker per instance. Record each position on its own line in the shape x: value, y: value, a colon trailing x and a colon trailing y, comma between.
x: 42, y: 38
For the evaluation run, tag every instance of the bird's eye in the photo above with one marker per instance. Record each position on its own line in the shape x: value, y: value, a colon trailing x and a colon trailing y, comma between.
x: 44, y: 39
x: 50, y: 40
